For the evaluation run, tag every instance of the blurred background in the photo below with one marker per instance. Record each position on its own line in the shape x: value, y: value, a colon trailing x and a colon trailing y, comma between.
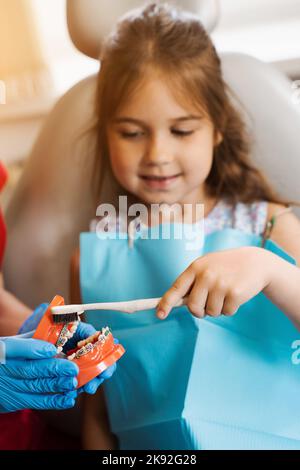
x: 39, y: 63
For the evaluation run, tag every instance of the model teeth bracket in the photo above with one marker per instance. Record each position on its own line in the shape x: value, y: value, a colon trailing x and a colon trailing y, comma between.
x: 65, y: 335
x: 87, y: 346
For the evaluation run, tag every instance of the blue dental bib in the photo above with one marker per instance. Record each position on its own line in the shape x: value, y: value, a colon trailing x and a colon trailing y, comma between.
x: 187, y: 383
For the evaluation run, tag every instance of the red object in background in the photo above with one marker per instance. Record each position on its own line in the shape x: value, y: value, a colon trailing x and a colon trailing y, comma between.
x: 3, y: 178
x: 26, y: 430
x: 17, y: 430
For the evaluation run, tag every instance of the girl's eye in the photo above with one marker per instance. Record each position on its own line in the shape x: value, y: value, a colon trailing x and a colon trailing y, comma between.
x: 130, y: 135
x: 137, y: 134
x: 181, y: 133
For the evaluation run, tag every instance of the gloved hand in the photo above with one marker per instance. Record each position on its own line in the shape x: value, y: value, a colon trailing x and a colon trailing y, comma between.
x: 30, y: 376
x: 83, y: 331
x: 32, y: 322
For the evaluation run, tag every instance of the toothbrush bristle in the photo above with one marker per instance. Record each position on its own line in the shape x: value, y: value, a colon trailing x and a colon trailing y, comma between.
x: 65, y: 317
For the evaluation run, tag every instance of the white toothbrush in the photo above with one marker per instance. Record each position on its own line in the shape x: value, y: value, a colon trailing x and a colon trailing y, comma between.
x: 70, y: 313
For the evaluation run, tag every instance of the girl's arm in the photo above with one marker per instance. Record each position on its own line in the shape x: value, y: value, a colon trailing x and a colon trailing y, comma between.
x: 95, y: 425
x: 284, y: 286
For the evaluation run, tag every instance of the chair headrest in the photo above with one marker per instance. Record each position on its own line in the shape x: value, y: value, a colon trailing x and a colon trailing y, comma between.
x: 91, y: 21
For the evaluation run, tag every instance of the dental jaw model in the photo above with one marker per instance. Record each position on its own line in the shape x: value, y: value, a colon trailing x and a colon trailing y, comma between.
x: 93, y: 355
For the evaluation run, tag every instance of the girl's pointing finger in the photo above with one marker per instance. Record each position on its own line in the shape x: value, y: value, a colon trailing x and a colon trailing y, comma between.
x: 178, y: 290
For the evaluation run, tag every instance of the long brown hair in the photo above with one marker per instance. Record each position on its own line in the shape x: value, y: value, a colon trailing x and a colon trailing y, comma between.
x: 174, y: 42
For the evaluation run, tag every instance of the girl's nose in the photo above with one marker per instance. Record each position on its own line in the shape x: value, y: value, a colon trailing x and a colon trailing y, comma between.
x: 157, y: 153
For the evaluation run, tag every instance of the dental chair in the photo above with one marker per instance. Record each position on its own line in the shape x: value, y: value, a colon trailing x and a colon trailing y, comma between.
x: 53, y: 201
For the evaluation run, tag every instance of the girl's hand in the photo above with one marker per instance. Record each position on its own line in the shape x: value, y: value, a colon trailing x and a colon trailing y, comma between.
x: 218, y: 283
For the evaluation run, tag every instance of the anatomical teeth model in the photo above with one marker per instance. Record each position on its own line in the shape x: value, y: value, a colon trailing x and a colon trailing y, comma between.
x: 93, y: 355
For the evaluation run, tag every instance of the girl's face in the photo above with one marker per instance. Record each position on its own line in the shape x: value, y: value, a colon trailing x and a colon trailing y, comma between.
x: 160, y: 151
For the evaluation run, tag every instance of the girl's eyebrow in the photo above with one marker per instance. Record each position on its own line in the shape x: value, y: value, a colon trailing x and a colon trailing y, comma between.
x: 123, y: 119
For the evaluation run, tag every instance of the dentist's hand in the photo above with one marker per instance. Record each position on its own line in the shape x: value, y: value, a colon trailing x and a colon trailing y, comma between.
x: 30, y: 376
x: 34, y: 319
x: 83, y: 331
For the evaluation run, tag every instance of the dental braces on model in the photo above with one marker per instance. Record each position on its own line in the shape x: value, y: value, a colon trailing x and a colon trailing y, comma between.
x: 87, y: 345
x: 65, y: 335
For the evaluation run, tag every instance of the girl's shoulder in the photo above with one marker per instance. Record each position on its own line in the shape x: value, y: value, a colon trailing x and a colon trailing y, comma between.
x: 267, y: 219
x: 284, y: 228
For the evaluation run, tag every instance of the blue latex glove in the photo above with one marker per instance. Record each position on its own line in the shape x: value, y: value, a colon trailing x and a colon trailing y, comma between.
x: 32, y: 378
x: 32, y: 322
x: 83, y: 331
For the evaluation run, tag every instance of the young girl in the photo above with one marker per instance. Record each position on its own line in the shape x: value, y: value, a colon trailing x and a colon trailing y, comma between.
x: 169, y: 133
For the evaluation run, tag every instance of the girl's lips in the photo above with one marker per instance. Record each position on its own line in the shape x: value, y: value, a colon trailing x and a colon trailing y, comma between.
x: 159, y: 182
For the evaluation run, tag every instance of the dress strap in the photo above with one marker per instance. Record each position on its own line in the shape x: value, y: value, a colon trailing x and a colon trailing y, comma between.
x: 271, y: 224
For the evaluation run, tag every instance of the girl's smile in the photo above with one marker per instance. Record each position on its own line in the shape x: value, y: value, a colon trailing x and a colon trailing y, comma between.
x: 160, y: 182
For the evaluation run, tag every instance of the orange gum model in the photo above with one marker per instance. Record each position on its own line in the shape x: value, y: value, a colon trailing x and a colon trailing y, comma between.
x: 93, y: 355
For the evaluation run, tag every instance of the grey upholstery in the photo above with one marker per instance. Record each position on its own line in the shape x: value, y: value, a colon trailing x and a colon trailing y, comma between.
x: 90, y: 21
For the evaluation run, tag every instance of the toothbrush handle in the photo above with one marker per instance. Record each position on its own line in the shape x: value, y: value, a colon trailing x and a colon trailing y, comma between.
x: 130, y: 306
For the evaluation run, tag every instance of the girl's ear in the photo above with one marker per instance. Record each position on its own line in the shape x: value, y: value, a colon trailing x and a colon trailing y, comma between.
x: 218, y: 138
